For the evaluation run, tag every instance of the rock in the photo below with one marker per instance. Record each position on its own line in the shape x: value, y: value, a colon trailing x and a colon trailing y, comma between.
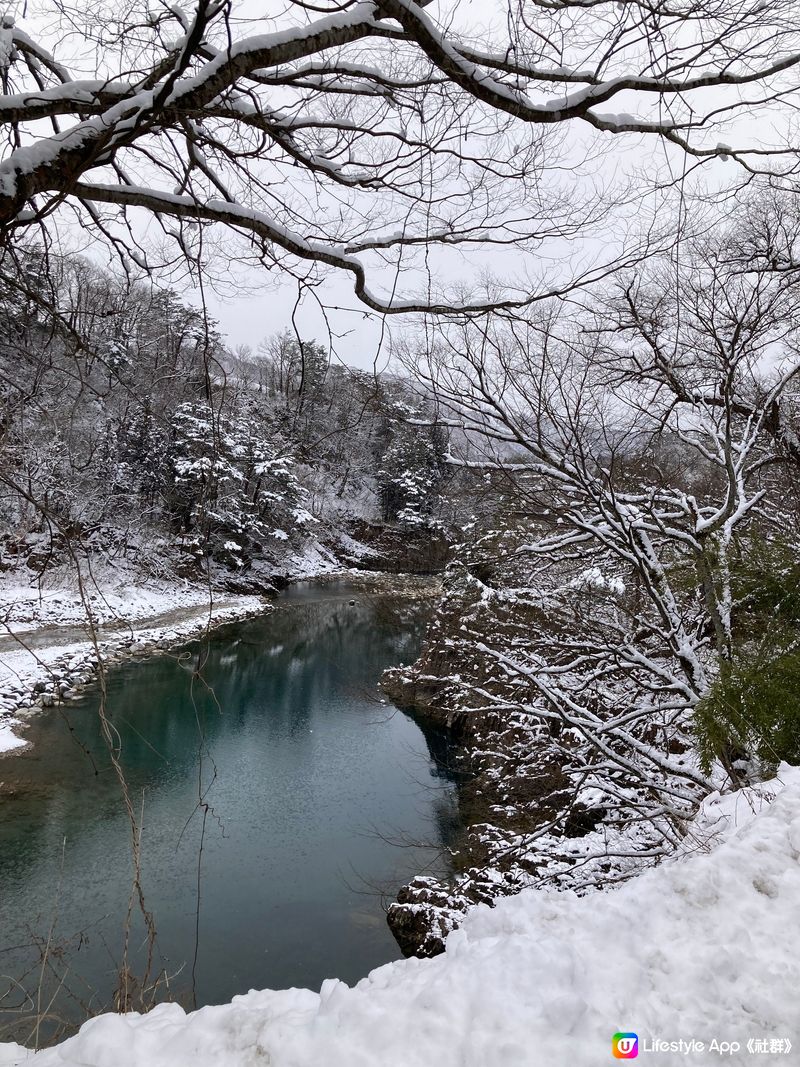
x: 581, y: 820
x: 424, y: 914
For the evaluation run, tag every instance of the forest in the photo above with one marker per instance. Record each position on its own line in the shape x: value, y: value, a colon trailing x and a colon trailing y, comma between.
x: 129, y: 427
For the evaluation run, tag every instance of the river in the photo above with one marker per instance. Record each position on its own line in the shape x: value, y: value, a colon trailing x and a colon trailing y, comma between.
x: 312, y: 800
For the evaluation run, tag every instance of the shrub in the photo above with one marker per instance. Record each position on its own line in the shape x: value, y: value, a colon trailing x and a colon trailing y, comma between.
x: 752, y: 710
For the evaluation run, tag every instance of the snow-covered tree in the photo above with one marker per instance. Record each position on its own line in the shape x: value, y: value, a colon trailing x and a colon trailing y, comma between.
x: 412, y: 474
x: 646, y: 444
x: 368, y: 133
x: 232, y: 488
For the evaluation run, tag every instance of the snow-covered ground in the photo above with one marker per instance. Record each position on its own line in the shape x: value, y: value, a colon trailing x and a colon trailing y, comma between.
x: 703, y: 948
x: 27, y: 608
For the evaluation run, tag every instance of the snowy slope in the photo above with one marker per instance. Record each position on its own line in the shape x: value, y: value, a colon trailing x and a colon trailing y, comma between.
x: 704, y: 947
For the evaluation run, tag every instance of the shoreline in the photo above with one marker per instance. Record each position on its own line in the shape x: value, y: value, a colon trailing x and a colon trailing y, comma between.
x: 33, y: 679
x: 50, y: 664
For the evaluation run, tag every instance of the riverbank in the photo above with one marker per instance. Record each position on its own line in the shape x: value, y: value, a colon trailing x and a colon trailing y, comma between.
x: 44, y: 665
x: 508, y: 787
x: 528, y: 823
x: 54, y: 635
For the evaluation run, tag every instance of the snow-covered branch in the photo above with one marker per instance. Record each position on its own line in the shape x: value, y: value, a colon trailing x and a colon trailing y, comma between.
x: 386, y: 116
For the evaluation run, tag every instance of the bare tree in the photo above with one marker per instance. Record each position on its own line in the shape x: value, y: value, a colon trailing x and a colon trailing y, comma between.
x: 646, y: 442
x: 364, y: 135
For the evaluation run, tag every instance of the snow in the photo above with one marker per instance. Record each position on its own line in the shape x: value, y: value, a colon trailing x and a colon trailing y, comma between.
x: 70, y: 94
x: 593, y: 578
x: 704, y: 948
x: 6, y: 42
x: 40, y: 54
x: 26, y: 607
x: 8, y: 739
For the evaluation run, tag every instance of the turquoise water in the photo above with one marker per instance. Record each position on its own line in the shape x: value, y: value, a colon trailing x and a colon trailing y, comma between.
x: 318, y: 802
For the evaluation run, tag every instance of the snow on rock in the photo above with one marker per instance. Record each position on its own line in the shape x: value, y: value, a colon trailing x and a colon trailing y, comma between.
x: 8, y: 739
x: 706, y: 947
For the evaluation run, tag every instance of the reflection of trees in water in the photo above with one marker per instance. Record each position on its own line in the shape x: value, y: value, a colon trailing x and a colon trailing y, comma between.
x: 403, y: 616
x: 281, y: 665
x: 432, y: 855
x: 338, y: 644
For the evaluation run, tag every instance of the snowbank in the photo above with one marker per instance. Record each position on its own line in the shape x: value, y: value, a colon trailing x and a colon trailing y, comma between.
x: 26, y: 608
x: 705, y: 947
x: 8, y: 739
